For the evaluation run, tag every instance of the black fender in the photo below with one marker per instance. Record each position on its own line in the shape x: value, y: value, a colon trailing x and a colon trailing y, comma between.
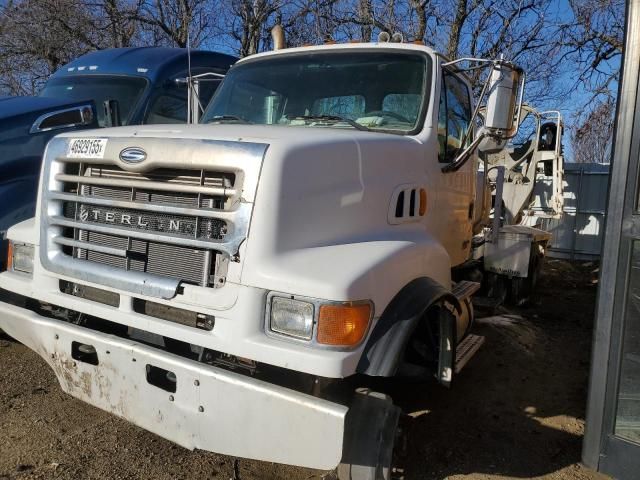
x: 386, y: 344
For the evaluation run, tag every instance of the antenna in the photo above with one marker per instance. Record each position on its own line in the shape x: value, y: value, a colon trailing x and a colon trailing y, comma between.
x: 189, y: 80
x: 189, y: 51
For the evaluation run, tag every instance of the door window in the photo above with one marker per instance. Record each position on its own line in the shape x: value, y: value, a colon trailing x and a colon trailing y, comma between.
x: 454, y: 117
x: 99, y: 88
x: 168, y: 108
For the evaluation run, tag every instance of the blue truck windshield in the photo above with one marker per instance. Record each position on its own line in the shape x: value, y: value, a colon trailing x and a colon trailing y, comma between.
x: 382, y: 91
x: 99, y: 88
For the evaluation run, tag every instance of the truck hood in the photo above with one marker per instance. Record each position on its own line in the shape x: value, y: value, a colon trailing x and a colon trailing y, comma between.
x: 269, y: 134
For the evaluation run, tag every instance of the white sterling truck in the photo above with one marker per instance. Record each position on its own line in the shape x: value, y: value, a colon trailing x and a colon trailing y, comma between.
x: 230, y: 286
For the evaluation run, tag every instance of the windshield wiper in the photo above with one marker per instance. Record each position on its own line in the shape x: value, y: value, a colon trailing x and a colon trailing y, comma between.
x: 227, y: 118
x: 335, y: 118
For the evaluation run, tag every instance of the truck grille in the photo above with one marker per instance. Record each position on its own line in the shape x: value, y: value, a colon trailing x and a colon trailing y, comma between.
x: 88, y: 183
x: 148, y: 227
x: 188, y: 264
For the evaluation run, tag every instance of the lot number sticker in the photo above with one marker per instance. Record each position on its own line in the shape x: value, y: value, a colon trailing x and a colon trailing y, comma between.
x: 87, y: 148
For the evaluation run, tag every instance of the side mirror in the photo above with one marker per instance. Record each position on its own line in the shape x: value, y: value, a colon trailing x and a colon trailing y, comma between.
x: 491, y: 145
x: 504, y: 101
x: 488, y: 144
x: 504, y: 89
x: 68, y: 118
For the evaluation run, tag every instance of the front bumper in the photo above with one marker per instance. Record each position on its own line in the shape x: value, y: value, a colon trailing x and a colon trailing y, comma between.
x: 239, y: 326
x: 211, y: 409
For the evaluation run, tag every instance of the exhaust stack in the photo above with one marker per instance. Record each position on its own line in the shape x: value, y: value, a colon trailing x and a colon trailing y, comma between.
x: 277, y: 34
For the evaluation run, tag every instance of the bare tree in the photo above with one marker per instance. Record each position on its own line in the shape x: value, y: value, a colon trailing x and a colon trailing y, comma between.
x: 38, y: 37
x: 364, y: 10
x: 521, y: 31
x: 304, y: 21
x: 422, y: 11
x: 592, y: 42
x: 591, y: 140
x: 118, y: 19
x: 175, y: 22
x: 250, y: 22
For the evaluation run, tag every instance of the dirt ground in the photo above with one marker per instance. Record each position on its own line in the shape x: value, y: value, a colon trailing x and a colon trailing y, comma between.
x: 516, y: 411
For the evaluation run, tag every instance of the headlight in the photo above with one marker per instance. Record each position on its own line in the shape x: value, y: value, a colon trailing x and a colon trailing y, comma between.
x: 291, y: 317
x: 20, y: 257
x: 318, y: 322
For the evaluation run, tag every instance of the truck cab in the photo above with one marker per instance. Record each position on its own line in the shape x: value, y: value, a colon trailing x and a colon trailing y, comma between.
x: 122, y: 86
x: 225, y: 284
x: 148, y: 84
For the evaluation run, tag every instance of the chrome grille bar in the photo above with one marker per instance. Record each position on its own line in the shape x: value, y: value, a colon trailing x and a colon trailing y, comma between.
x: 147, y: 185
x: 141, y: 234
x: 225, y: 215
x: 200, y: 177
x: 90, y: 246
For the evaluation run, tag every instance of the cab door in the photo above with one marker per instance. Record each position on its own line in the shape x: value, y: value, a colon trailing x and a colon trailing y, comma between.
x: 457, y: 188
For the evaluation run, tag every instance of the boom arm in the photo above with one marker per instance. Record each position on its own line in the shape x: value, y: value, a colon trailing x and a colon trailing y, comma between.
x: 524, y: 167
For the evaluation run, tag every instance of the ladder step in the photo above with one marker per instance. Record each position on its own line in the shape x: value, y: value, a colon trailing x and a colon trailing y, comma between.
x: 465, y: 289
x: 467, y: 348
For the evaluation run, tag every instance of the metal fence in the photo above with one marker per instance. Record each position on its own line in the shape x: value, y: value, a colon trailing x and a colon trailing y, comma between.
x: 578, y: 234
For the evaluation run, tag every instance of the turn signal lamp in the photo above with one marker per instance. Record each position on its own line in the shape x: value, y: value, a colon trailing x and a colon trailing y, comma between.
x: 343, y: 325
x: 9, y: 256
x: 423, y: 202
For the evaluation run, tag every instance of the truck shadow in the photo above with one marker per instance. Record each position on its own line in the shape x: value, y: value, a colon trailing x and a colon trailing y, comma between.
x: 518, y: 407
x: 6, y: 340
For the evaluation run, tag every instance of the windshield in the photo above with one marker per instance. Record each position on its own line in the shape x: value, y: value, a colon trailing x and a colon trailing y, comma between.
x: 126, y: 90
x: 382, y: 91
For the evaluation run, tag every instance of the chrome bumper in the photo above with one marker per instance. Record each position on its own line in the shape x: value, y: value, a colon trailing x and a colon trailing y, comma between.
x: 211, y: 409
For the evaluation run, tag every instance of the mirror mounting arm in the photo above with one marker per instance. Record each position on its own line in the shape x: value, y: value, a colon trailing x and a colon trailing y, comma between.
x: 465, y: 155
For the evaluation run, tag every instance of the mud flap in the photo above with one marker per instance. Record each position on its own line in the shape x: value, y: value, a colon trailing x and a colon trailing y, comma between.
x: 369, y: 436
x: 447, y: 350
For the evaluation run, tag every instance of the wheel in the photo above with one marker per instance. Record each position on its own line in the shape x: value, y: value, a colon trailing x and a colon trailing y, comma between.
x: 370, y: 431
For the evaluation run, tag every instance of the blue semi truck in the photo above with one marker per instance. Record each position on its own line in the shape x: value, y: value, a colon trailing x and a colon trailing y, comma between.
x: 122, y: 86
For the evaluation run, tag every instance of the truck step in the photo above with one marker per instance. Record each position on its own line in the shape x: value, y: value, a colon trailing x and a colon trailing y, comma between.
x: 467, y: 348
x: 465, y: 289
